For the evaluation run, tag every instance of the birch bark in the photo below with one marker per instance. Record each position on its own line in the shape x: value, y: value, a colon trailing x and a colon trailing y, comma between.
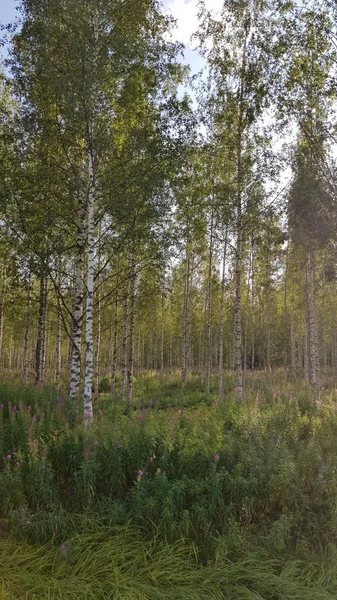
x: 209, y: 308
x: 115, y: 346
x: 27, y: 328
x: 89, y: 356
x: 131, y: 330
x: 76, y: 327
x: 222, y: 315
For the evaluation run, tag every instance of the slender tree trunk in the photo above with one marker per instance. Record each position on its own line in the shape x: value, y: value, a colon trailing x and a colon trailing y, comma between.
x: 253, y: 311
x: 189, y: 344
x: 99, y: 328
x: 209, y: 308
x: 285, y: 315
x: 89, y: 309
x: 306, y: 360
x: 238, y: 258
x: 98, y: 346
x: 292, y: 342
x: 77, y: 318
x: 124, y: 345
x: 313, y: 338
x: 171, y: 340
x: 25, y: 360
x: 184, y: 329
x: 115, y: 347
x: 41, y: 334
x: 222, y: 314
x: 131, y: 329
x: 58, y: 350
x: 110, y: 347
x: 2, y: 309
x: 247, y: 312
x: 268, y: 339
x: 162, y: 335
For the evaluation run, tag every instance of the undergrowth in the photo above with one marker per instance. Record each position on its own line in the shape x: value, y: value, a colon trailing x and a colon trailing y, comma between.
x: 243, y: 495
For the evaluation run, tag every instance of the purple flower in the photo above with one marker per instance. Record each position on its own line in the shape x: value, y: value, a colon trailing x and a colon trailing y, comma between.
x: 34, y: 418
x: 9, y: 457
x: 56, y: 432
x: 1, y: 405
x: 14, y: 409
x: 95, y: 443
x: 179, y: 411
x: 17, y: 464
x: 274, y: 395
x: 150, y: 403
x: 140, y: 418
x: 43, y: 467
x: 152, y: 458
x: 29, y: 408
x: 100, y: 412
x: 216, y: 402
x: 140, y: 473
x: 34, y: 441
x: 42, y: 414
x: 216, y: 458
x: 256, y: 401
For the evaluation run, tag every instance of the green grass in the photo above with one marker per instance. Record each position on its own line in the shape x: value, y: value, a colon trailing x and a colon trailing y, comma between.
x: 188, y: 496
x: 121, y: 566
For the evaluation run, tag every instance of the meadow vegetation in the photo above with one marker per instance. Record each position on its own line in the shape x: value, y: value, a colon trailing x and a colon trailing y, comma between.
x: 184, y: 496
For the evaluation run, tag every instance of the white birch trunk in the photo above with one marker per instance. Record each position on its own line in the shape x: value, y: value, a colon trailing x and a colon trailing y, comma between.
x: 253, y: 311
x: 222, y: 315
x: 313, y: 335
x: 131, y: 330
x: 89, y: 354
x: 25, y: 359
x: 124, y: 345
x: 184, y: 325
x: 76, y: 328
x: 162, y: 336
x: 115, y: 347
x: 209, y: 309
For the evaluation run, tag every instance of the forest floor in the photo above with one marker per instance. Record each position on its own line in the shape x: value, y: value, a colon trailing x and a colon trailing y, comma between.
x: 189, y: 496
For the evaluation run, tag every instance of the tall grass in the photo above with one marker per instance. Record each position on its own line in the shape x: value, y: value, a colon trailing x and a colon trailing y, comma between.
x: 188, y: 496
x: 119, y: 565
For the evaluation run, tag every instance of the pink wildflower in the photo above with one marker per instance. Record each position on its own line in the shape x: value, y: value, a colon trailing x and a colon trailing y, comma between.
x: 216, y: 458
x: 140, y: 473
x: 9, y: 457
x: 100, y: 412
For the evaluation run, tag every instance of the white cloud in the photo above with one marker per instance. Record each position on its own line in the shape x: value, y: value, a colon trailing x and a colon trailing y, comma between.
x: 186, y: 13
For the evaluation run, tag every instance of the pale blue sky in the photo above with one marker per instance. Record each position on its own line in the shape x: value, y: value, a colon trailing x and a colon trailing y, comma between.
x: 7, y: 10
